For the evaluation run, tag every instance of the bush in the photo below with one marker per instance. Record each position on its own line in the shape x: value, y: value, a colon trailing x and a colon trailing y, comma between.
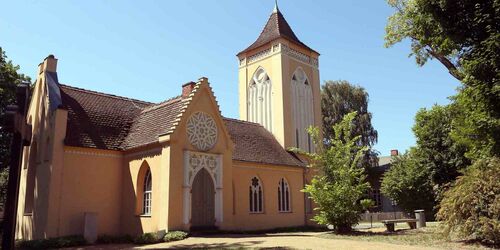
x: 59, y: 242
x: 174, y: 236
x: 109, y: 239
x: 337, y: 191
x: 147, y: 238
x: 408, y: 182
x: 470, y: 209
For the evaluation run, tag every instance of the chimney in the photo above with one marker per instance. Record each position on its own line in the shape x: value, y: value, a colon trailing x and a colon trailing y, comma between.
x: 394, y: 152
x: 49, y: 64
x: 187, y: 88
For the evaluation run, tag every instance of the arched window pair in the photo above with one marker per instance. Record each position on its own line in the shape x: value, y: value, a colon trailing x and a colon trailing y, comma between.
x: 256, y: 196
x: 283, y: 196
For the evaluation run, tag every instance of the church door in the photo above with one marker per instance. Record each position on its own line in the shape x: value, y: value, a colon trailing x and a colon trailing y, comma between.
x: 202, y: 201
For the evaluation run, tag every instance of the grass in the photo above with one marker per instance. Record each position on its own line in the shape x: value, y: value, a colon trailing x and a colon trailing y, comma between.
x: 428, y: 236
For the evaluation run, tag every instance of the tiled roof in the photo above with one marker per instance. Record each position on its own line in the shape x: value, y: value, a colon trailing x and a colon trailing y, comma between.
x: 97, y: 120
x: 104, y: 121
x: 153, y: 121
x: 276, y: 27
x: 253, y: 143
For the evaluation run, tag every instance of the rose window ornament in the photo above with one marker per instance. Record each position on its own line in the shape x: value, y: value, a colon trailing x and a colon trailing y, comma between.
x: 202, y: 131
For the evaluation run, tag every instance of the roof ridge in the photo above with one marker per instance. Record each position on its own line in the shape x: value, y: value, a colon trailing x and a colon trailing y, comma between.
x: 105, y: 94
x: 242, y: 121
x: 161, y: 104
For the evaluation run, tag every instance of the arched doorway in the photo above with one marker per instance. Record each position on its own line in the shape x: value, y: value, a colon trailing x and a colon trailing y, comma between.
x: 202, y: 201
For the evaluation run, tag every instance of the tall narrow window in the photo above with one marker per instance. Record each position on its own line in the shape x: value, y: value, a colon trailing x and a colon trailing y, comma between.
x: 302, y: 109
x: 256, y: 196
x: 147, y: 194
x: 283, y: 196
x: 259, y: 99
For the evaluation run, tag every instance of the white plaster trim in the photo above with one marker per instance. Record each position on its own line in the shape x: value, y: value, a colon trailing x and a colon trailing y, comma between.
x: 190, y: 173
x: 279, y: 48
x: 77, y: 152
x: 266, y: 168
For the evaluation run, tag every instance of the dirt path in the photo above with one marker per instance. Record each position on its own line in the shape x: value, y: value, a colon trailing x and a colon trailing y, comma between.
x: 284, y: 240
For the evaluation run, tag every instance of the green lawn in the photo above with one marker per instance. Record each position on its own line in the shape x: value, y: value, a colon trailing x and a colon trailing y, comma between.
x: 428, y: 236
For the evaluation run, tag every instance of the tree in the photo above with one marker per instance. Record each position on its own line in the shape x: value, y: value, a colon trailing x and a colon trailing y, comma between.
x: 471, y: 208
x: 438, y: 152
x: 339, y: 189
x: 339, y: 98
x: 463, y: 35
x: 408, y: 183
x: 9, y: 79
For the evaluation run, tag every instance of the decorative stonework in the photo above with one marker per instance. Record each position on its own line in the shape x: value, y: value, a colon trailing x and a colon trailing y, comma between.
x: 279, y: 48
x: 202, y: 131
x: 299, y: 55
x: 199, y: 161
x: 193, y: 163
x: 259, y: 55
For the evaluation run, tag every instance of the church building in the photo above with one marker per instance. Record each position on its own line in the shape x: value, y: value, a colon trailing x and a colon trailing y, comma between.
x: 102, y: 164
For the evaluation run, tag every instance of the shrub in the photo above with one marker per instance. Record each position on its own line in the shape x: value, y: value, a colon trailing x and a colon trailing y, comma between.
x: 175, y: 235
x: 59, y: 242
x: 109, y: 239
x: 337, y: 191
x: 470, y: 209
x: 408, y: 182
x: 147, y: 238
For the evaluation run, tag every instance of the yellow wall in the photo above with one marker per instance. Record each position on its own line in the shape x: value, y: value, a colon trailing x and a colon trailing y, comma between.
x: 270, y: 176
x: 132, y: 220
x: 90, y: 182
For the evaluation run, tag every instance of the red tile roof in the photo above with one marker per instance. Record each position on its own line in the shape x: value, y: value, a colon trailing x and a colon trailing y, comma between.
x: 104, y: 121
x: 276, y: 27
x: 253, y: 143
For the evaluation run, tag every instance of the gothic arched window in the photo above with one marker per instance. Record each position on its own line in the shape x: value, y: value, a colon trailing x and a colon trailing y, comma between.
x: 302, y: 109
x: 283, y: 196
x: 259, y: 99
x: 147, y: 194
x: 256, y: 196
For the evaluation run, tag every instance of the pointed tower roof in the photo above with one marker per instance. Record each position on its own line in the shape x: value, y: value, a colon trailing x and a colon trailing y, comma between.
x: 276, y: 27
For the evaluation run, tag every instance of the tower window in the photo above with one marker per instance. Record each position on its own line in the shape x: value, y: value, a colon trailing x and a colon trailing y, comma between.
x: 259, y: 99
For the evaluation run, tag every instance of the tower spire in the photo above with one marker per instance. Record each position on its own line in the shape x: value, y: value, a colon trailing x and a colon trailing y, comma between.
x: 275, y: 10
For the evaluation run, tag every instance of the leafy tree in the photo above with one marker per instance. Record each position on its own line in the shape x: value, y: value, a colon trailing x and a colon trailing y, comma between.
x: 471, y: 208
x: 408, y: 183
x: 339, y: 188
x: 463, y: 35
x: 9, y: 79
x: 339, y: 98
x: 438, y: 152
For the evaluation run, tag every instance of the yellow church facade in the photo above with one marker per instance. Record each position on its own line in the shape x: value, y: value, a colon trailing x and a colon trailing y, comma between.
x: 101, y: 164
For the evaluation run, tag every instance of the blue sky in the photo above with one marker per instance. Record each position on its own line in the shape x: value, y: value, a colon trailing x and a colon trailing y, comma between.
x: 148, y: 49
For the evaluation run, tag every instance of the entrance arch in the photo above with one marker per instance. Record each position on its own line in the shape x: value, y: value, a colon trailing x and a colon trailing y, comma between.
x: 202, y: 201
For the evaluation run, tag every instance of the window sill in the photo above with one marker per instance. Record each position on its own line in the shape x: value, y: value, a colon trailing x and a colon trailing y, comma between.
x: 144, y: 215
x: 256, y: 213
x: 285, y: 212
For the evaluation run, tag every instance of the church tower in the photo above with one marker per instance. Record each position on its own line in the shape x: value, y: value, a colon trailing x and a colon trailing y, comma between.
x: 279, y: 84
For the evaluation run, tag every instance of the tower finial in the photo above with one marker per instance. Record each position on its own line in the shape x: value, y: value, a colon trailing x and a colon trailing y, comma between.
x: 275, y: 6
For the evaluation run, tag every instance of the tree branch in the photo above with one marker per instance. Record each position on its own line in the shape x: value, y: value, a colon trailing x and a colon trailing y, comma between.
x: 452, y: 69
